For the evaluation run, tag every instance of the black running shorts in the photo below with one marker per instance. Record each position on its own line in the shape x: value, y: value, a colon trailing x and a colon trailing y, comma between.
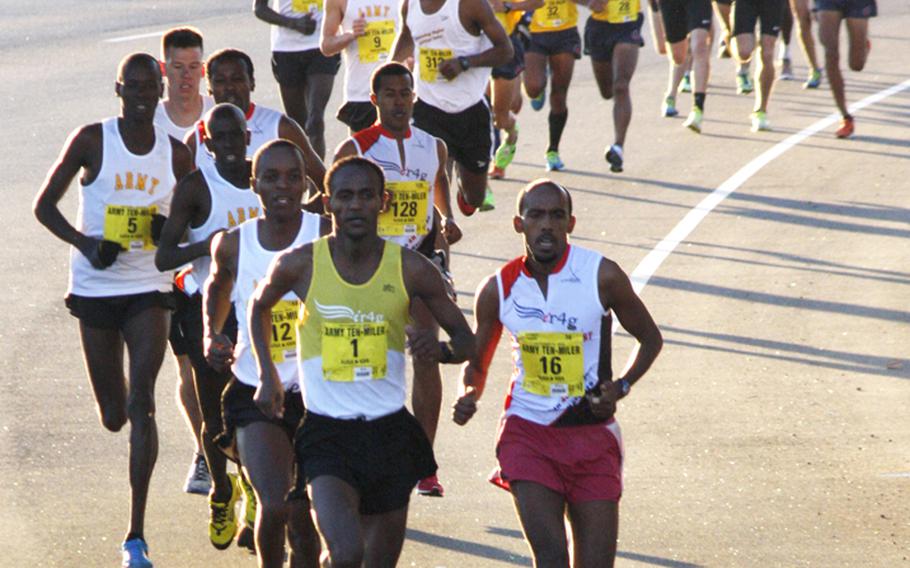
x: 513, y: 68
x: 357, y: 115
x: 554, y: 43
x: 601, y: 37
x: 681, y: 17
x: 238, y: 410
x: 746, y: 13
x: 293, y: 67
x: 849, y: 8
x: 112, y: 312
x: 468, y: 134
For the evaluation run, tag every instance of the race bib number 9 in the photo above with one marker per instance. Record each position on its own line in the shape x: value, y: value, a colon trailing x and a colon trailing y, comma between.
x: 376, y: 42
x: 130, y: 227
x: 354, y: 351
x: 553, y: 363
x: 620, y: 11
x: 306, y: 6
x: 407, y: 212
x: 284, y: 330
x: 429, y: 63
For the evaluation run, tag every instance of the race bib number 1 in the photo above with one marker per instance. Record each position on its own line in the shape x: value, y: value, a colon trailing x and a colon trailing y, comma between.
x: 306, y: 6
x: 429, y: 63
x: 407, y: 212
x: 130, y: 227
x: 354, y: 351
x: 284, y: 330
x: 376, y: 43
x: 553, y: 363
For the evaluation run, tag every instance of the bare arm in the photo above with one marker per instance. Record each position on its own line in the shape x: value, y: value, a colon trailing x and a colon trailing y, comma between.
x: 182, y: 159
x: 219, y: 351
x: 184, y: 205
x: 442, y: 198
x: 315, y: 169
x: 403, y: 50
x: 345, y: 149
x: 332, y: 42
x: 264, y: 12
x: 487, y: 331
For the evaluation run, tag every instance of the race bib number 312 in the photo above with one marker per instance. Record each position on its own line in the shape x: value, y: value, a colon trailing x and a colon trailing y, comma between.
x: 429, y: 63
x: 553, y: 363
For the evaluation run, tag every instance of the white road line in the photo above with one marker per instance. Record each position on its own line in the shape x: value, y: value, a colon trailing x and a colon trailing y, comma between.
x: 649, y: 265
x: 132, y: 37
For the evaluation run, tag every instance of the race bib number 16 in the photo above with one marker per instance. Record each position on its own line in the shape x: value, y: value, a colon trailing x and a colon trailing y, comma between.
x: 553, y: 363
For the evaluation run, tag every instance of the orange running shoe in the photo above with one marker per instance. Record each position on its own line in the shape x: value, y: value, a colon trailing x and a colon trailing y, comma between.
x: 846, y: 128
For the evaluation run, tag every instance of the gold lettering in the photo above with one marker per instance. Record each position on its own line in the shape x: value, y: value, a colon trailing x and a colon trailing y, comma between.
x: 129, y: 180
x: 140, y: 181
x: 231, y: 221
x: 154, y: 185
x: 118, y: 183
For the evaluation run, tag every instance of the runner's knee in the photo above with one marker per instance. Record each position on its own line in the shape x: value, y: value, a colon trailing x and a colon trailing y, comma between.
x: 113, y: 418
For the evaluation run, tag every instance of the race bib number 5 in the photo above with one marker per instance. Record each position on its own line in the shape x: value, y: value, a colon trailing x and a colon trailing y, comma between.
x: 429, y: 63
x: 553, y: 363
x: 376, y: 42
x: 130, y: 227
x: 284, y: 330
x: 407, y: 212
x: 354, y: 351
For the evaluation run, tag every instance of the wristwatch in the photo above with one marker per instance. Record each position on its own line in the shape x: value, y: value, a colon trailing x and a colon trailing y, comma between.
x: 624, y: 386
x: 465, y: 64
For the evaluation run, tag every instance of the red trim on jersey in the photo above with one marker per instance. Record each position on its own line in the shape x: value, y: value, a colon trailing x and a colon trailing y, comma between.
x: 200, y: 128
x: 367, y: 137
x: 250, y: 111
x: 509, y: 273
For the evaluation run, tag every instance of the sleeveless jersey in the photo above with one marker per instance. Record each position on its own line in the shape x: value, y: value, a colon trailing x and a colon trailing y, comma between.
x: 363, y: 55
x: 411, y: 184
x: 350, y: 339
x: 554, y: 16
x: 555, y: 341
x: 118, y: 206
x: 262, y: 122
x: 253, y: 262
x: 440, y: 36
x: 619, y: 11
x: 509, y: 20
x: 286, y: 39
x: 163, y: 120
x: 230, y: 206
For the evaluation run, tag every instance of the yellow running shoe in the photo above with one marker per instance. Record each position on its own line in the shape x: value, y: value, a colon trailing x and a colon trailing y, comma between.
x: 246, y: 537
x: 223, y: 522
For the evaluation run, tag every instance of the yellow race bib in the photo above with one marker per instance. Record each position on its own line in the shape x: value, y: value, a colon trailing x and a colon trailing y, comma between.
x: 130, y: 227
x: 376, y: 43
x: 429, y: 63
x: 407, y: 212
x: 621, y: 11
x: 553, y: 363
x: 556, y: 13
x: 306, y: 6
x: 354, y: 351
x: 284, y: 330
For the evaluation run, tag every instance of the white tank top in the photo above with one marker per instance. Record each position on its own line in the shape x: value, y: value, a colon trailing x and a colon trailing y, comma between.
x: 231, y: 206
x: 286, y: 39
x: 163, y: 119
x: 555, y: 341
x: 410, y: 214
x: 262, y: 122
x: 253, y: 262
x: 363, y: 55
x: 118, y: 206
x: 440, y: 36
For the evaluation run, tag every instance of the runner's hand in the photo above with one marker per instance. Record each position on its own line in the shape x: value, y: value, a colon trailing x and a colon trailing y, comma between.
x: 99, y: 252
x: 423, y: 344
x: 450, y: 68
x: 603, y: 404
x: 450, y: 230
x: 269, y: 398
x: 359, y: 27
x: 465, y: 407
x: 219, y: 351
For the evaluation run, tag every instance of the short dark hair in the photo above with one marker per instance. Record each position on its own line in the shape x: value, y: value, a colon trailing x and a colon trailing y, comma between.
x: 520, y: 202
x: 390, y: 69
x: 228, y: 54
x: 137, y: 58
x: 184, y: 37
x: 353, y: 162
x: 273, y: 144
x: 221, y: 109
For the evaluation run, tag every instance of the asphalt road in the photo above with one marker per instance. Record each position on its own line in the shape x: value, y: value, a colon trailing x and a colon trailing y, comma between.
x: 772, y: 431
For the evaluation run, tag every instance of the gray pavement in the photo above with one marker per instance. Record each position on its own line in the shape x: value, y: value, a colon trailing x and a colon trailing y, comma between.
x: 772, y: 431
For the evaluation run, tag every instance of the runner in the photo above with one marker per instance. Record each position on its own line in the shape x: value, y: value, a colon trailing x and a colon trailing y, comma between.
x: 213, y: 198
x: 830, y: 13
x: 559, y: 446
x: 505, y: 85
x: 231, y: 80
x: 676, y: 72
x: 452, y: 61
x: 612, y: 39
x: 369, y: 28
x: 305, y: 76
x: 129, y: 168
x: 359, y: 448
x: 241, y: 260
x: 410, y: 159
x: 690, y: 20
x: 183, y: 105
x: 555, y: 45
x: 724, y: 10
x: 803, y: 17
x: 746, y: 13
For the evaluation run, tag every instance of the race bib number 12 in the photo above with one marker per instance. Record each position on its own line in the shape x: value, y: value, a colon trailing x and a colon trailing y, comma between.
x: 284, y: 330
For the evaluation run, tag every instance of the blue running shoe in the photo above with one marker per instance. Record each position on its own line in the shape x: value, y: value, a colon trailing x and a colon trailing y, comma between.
x: 135, y: 554
x: 554, y: 164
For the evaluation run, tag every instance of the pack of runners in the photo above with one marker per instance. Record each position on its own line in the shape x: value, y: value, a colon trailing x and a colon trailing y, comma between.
x: 291, y: 288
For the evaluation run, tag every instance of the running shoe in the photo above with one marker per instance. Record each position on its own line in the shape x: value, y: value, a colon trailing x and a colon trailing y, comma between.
x: 135, y: 554
x: 466, y: 208
x: 489, y: 203
x: 744, y: 84
x: 760, y: 121
x: 786, y: 70
x: 723, y: 50
x: 668, y: 109
x: 503, y: 157
x: 246, y: 536
x: 694, y: 121
x: 845, y: 130
x: 614, y: 157
x: 554, y: 164
x: 430, y: 487
x: 685, y: 86
x: 223, y: 522
x: 540, y: 100
x: 198, y: 480
x: 814, y: 80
